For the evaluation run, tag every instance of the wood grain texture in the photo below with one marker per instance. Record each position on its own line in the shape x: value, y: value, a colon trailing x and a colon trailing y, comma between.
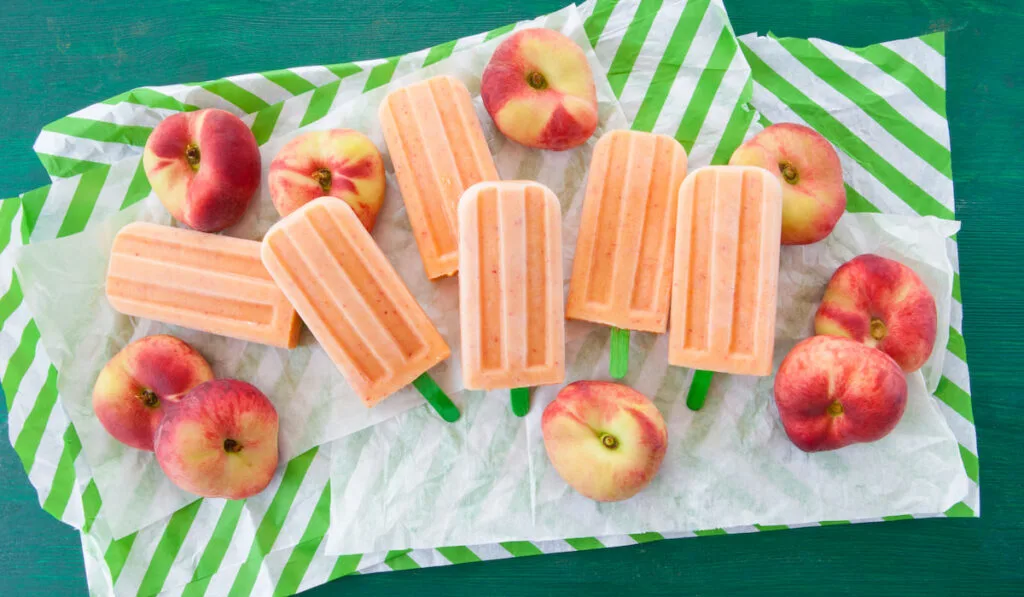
x: 60, y: 56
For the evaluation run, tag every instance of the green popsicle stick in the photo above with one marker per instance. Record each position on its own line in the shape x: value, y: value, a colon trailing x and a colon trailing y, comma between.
x: 437, y: 398
x: 520, y: 401
x: 698, y: 389
x: 618, y: 362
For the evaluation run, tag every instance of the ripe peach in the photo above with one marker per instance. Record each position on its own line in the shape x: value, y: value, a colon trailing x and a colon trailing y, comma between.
x: 204, y: 166
x: 338, y: 163
x: 606, y: 440
x: 883, y: 304
x: 832, y: 392
x: 220, y: 441
x: 539, y: 90
x: 813, y: 193
x: 134, y: 389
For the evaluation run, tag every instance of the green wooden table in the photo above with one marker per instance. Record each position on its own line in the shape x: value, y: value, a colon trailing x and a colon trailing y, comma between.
x: 57, y: 59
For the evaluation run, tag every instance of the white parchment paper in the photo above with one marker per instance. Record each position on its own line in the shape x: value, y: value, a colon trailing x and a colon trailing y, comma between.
x: 412, y: 482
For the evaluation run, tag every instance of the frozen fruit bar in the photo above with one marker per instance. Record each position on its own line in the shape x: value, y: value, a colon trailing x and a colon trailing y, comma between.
x: 202, y: 281
x: 350, y: 297
x: 510, y: 286
x: 438, y: 150
x: 726, y: 271
x: 622, y: 271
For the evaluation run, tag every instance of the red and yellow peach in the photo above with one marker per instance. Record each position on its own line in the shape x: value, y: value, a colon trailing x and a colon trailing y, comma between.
x: 204, y: 166
x: 539, y: 90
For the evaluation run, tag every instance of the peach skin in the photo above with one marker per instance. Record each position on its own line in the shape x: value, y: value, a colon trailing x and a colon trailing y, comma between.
x: 204, y: 166
x: 338, y: 163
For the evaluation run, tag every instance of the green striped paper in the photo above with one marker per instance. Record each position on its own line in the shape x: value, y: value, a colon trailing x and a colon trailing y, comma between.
x: 277, y: 548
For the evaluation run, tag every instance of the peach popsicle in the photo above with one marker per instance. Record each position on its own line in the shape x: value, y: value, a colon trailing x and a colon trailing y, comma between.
x: 353, y: 300
x: 510, y: 286
x: 622, y: 271
x: 197, y: 280
x: 438, y: 150
x: 726, y: 271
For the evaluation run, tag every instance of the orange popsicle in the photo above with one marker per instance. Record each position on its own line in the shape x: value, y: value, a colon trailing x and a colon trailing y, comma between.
x: 622, y: 271
x: 202, y: 281
x: 726, y: 272
x: 510, y: 286
x: 350, y: 297
x: 439, y: 151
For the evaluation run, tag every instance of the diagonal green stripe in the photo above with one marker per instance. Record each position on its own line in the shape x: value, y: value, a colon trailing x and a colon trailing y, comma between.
x: 833, y: 523
x: 84, y: 200
x: 290, y: 81
x: 151, y: 99
x: 960, y: 510
x: 948, y: 392
x: 20, y: 361
x: 521, y: 549
x: 138, y: 188
x: 399, y: 560
x: 844, y: 139
x: 98, y: 130
x: 381, y: 74
x: 31, y: 434
x: 956, y: 287
x: 32, y: 205
x: 8, y: 209
x: 937, y: 41
x: 117, y: 554
x: 499, y: 31
x: 167, y: 549
x: 707, y: 86
x: 584, y: 543
x: 346, y: 69
x: 771, y: 527
x: 736, y: 129
x: 265, y: 121
x: 244, y: 99
x: 671, y: 61
x: 63, y: 167
x: 632, y: 41
x: 893, y: 64
x: 215, y: 549
x: 344, y: 566
x: 874, y: 105
x: 856, y: 203
x: 647, y: 537
x: 64, y: 477
x: 596, y: 22
x: 91, y: 504
x: 298, y: 562
x: 897, y: 517
x: 439, y: 52
x: 458, y: 554
x: 273, y: 520
x: 320, y: 103
x: 956, y: 344
x: 710, y: 532
x: 10, y: 301
x: 970, y: 463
